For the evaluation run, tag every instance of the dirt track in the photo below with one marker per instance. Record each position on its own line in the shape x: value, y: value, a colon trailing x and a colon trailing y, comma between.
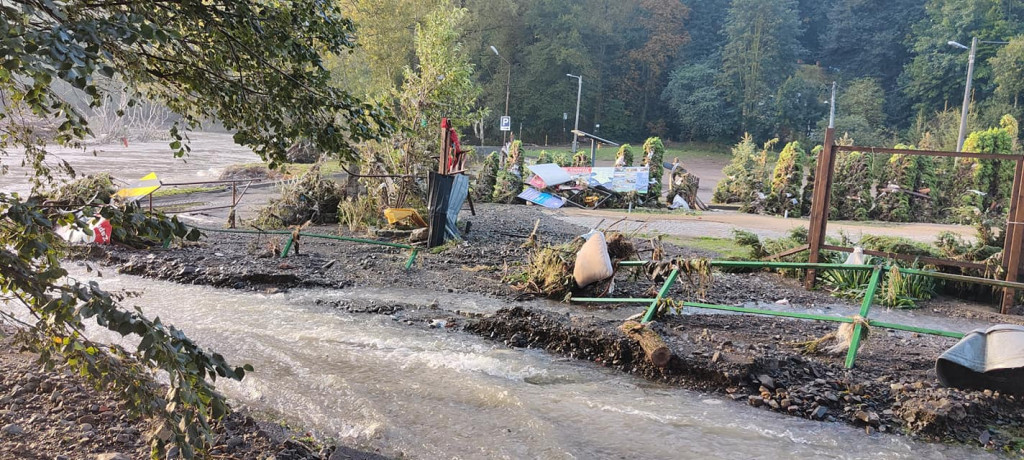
x: 721, y: 223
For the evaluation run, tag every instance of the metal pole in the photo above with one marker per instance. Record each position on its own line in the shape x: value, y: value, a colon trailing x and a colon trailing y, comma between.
x: 967, y: 97
x: 576, y: 126
x: 653, y: 309
x: 412, y: 259
x: 865, y: 308
x: 832, y: 108
x: 593, y: 154
x: 508, y: 81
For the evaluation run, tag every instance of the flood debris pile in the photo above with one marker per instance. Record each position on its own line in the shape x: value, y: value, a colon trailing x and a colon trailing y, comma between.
x: 557, y: 180
x: 311, y: 198
x: 303, y: 152
x: 86, y: 190
x: 837, y: 342
x: 586, y: 264
x: 257, y: 171
x: 746, y: 362
x: 548, y: 271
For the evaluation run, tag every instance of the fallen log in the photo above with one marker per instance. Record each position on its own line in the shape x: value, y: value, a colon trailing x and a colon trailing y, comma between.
x: 654, y: 346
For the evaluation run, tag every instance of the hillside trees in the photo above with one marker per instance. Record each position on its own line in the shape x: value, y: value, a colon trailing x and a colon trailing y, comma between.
x: 760, y: 51
x: 1008, y: 70
x: 699, y: 102
x: 740, y: 62
x: 933, y: 77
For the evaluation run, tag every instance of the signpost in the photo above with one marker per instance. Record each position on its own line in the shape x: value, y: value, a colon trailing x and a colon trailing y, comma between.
x: 506, y: 123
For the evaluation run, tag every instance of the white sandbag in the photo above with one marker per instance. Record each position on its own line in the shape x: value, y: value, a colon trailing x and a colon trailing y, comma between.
x: 856, y: 257
x: 592, y: 261
x: 679, y: 202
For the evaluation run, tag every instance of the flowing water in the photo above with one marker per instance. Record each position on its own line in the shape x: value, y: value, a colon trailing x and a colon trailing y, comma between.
x: 431, y: 393
x: 211, y: 153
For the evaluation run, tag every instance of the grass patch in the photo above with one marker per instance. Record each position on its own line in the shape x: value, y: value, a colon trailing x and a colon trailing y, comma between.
x: 684, y: 151
x: 180, y: 207
x: 726, y: 248
x: 285, y: 171
x: 175, y: 191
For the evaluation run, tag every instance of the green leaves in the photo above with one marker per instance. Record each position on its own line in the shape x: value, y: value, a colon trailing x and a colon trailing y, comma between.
x: 30, y: 272
x: 255, y: 70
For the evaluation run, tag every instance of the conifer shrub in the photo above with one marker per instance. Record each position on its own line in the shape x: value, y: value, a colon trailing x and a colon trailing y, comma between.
x: 787, y: 180
x: 654, y: 159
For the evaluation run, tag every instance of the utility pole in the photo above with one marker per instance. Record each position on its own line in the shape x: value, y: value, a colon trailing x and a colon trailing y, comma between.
x: 576, y: 126
x: 508, y: 80
x: 967, y: 96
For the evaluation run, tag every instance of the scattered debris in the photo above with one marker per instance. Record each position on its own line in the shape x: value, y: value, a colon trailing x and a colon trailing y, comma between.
x: 311, y: 198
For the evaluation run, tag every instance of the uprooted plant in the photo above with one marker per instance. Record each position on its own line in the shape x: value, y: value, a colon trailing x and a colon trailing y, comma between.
x: 548, y: 271
x: 310, y: 198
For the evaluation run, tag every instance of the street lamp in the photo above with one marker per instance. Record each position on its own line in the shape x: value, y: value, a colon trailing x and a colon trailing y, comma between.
x: 576, y: 127
x: 967, y: 87
x: 508, y: 79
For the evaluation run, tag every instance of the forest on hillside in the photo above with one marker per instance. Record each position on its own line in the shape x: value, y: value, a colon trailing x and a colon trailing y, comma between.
x: 710, y: 70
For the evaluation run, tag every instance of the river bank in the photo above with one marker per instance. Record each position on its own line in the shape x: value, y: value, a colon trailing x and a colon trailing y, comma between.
x: 751, y: 360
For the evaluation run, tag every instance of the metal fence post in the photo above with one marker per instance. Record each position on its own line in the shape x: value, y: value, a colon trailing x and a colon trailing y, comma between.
x: 865, y: 308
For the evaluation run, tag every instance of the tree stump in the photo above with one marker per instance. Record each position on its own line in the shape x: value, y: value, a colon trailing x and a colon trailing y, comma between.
x: 654, y: 346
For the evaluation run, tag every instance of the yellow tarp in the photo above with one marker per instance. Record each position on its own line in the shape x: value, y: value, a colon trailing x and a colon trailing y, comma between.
x: 398, y: 214
x: 146, y: 185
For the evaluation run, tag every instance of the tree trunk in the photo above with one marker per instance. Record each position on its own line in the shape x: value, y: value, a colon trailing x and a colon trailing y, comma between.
x: 654, y: 347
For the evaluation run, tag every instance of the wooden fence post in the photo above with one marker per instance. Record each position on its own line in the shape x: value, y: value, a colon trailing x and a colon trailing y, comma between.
x: 1014, y: 235
x: 820, y: 203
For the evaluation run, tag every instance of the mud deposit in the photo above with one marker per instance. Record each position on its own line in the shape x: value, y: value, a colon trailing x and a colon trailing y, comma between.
x: 751, y: 360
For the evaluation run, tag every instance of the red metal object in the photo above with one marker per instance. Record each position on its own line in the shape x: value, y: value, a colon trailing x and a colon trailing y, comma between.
x: 452, y: 155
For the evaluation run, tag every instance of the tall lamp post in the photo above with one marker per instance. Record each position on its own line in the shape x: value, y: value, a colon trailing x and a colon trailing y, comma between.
x: 508, y: 79
x: 576, y: 127
x: 967, y: 87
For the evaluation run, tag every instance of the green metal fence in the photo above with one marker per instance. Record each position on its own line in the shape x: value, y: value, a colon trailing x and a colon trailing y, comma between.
x: 655, y: 304
x: 291, y: 240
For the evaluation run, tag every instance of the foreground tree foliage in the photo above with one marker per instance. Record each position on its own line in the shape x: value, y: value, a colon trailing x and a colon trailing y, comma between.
x: 439, y: 85
x: 253, y: 66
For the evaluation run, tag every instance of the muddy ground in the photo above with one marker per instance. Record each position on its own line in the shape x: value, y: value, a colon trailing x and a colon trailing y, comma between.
x: 752, y: 360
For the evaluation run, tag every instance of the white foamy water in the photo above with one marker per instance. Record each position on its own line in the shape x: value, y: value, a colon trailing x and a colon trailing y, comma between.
x: 431, y: 393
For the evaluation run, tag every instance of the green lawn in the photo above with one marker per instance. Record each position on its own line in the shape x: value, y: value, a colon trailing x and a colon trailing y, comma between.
x: 328, y: 168
x: 725, y: 247
x: 174, y: 191
x: 683, y: 150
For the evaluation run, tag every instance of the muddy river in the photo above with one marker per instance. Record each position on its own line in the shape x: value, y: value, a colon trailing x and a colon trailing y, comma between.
x: 211, y: 153
x: 433, y: 393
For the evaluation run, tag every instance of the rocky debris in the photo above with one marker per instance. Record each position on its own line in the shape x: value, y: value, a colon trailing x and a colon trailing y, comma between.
x: 112, y: 456
x: 12, y: 429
